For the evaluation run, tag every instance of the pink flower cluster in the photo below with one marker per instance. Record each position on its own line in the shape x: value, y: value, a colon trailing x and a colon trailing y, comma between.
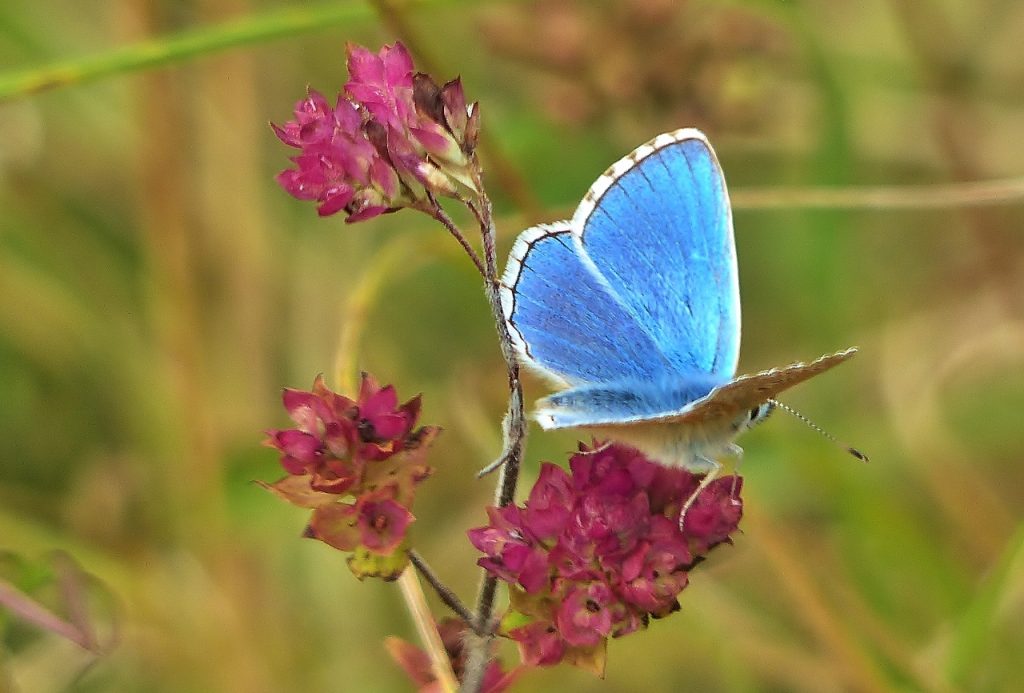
x: 596, y: 552
x: 367, y: 450
x: 391, y: 137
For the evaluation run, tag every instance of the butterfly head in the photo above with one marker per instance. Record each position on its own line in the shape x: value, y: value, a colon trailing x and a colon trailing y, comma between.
x: 754, y: 416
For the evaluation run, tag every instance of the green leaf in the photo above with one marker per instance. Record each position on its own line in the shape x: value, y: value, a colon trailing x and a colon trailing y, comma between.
x: 974, y: 634
x: 167, y: 50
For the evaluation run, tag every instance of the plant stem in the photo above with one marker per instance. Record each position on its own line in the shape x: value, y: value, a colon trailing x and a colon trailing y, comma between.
x: 417, y: 603
x: 479, y: 649
x: 435, y: 210
x: 980, y: 193
x: 447, y: 596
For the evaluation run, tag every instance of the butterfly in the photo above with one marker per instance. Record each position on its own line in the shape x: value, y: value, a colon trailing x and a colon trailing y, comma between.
x: 632, y: 307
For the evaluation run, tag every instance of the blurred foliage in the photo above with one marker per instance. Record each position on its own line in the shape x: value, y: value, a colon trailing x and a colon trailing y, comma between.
x: 157, y: 289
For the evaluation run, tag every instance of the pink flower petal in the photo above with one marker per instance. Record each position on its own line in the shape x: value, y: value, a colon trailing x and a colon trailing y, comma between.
x: 539, y: 643
x: 382, y: 524
x: 334, y: 200
x: 363, y: 65
x: 374, y: 402
x: 398, y: 65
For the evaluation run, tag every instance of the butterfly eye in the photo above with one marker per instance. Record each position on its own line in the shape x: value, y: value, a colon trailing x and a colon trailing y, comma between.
x: 761, y: 412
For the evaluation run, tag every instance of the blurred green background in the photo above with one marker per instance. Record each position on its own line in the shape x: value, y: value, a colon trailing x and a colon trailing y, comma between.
x: 157, y: 290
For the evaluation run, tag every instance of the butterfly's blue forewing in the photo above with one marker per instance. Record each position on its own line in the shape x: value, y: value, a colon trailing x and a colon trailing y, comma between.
x: 658, y: 228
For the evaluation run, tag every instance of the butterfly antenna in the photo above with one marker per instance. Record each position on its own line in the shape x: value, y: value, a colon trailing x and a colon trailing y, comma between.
x: 849, y: 448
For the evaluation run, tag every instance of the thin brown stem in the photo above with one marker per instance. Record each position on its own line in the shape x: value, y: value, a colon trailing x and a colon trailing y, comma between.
x: 477, y: 214
x: 443, y: 592
x: 515, y: 421
x: 479, y: 649
x: 435, y: 210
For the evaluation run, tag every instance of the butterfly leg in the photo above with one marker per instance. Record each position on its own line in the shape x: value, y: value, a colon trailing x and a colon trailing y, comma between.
x: 600, y: 448
x: 737, y: 452
x: 716, y: 468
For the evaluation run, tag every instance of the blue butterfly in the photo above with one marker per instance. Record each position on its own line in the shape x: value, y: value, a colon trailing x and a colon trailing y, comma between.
x: 633, y: 307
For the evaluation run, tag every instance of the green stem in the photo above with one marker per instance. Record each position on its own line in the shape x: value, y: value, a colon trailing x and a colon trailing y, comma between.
x: 168, y: 50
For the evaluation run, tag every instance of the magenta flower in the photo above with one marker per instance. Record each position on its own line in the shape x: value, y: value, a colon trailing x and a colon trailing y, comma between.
x: 356, y: 464
x: 715, y: 514
x: 426, y: 127
x: 598, y: 551
x: 510, y: 552
x: 383, y: 424
x: 650, y: 579
x: 540, y: 643
x: 585, y: 615
x: 550, y: 502
x: 382, y: 83
x: 322, y: 443
x: 392, y: 137
x: 382, y: 522
x: 300, y: 451
x: 338, y: 166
